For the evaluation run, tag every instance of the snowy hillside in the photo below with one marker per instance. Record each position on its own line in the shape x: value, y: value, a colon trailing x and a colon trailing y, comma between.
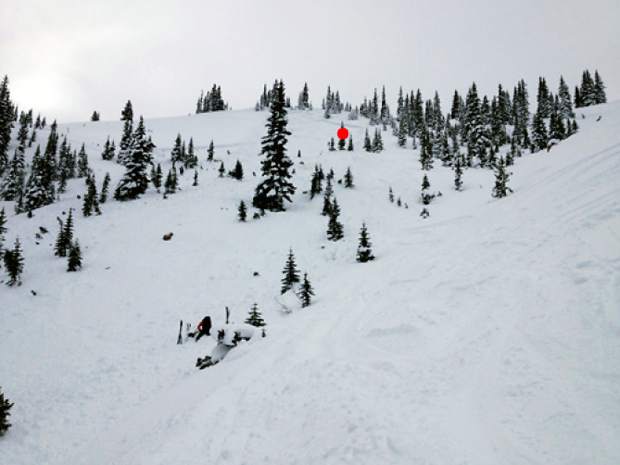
x: 487, y: 334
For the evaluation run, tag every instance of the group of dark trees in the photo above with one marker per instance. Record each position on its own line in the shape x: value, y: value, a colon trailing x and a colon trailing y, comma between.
x: 212, y: 101
x: 66, y: 245
x: 5, y: 413
x: 291, y: 279
x: 12, y: 259
x: 591, y: 91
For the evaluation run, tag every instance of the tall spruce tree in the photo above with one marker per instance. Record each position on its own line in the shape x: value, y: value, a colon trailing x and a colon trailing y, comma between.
x: 74, y: 260
x: 502, y: 177
x: 458, y: 173
x: 364, y: 248
x: 599, y: 89
x: 306, y: 292
x: 539, y: 132
x: 6, y: 122
x: 275, y: 188
x: 335, y: 230
x: 14, y: 264
x: 242, y: 212
x: 348, y: 178
x: 290, y: 273
x: 105, y: 187
x: 135, y: 180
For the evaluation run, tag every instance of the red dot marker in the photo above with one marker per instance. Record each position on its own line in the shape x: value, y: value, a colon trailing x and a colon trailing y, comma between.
x: 343, y: 133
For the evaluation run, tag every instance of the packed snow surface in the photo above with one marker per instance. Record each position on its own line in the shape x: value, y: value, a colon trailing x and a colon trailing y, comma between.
x: 487, y: 334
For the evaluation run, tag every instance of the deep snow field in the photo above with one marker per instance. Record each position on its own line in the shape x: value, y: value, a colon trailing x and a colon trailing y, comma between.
x: 487, y: 334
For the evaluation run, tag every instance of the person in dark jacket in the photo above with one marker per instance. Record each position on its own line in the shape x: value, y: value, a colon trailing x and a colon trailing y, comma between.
x: 204, y: 327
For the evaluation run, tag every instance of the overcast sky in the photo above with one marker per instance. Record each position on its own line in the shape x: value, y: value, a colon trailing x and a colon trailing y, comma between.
x: 67, y: 58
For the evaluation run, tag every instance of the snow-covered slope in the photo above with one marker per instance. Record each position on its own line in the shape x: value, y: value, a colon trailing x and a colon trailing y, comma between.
x: 486, y: 334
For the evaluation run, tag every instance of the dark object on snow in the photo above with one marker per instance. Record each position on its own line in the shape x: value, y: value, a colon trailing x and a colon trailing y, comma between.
x: 600, y: 117
x: 227, y: 315
x: 168, y: 236
x: 180, y: 337
x: 43, y: 230
x: 33, y: 292
x: 204, y: 328
x: 256, y: 273
x: 38, y: 236
x: 205, y: 362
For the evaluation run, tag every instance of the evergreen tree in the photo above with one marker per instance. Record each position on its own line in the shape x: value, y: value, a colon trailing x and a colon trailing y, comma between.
x: 12, y: 187
x: 82, y: 164
x: 195, y: 183
x: 426, y: 151
x: 364, y: 250
x: 6, y: 122
x: 237, y: 172
x: 2, y: 229
x: 171, y: 183
x: 502, y: 177
x: 38, y: 193
x: 221, y: 169
x: 539, y: 132
x: 135, y: 180
x: 91, y: 199
x: 391, y: 195
x: 65, y: 236
x: 255, y: 318
x: 290, y: 273
x: 5, y: 413
x: 426, y: 197
x: 306, y: 292
x: 316, y: 183
x: 350, y: 145
x: 335, y: 230
x: 108, y: 150
x: 331, y: 145
x: 191, y: 160
x: 156, y: 176
x: 403, y: 130
x: 124, y: 151
x: 14, y: 264
x: 105, y: 188
x: 176, y: 154
x: 127, y: 113
x: 95, y: 116
x: 303, y: 102
x: 377, y: 142
x: 242, y: 212
x: 275, y: 187
x: 348, y: 178
x: 210, y: 151
x: 566, y: 105
x: 557, y: 130
x: 458, y: 174
x: 587, y: 91
x: 74, y: 261
x: 544, y: 100
x: 367, y: 143
x: 599, y: 89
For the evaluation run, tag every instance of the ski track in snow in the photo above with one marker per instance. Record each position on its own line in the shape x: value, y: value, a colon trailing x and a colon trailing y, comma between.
x: 488, y: 333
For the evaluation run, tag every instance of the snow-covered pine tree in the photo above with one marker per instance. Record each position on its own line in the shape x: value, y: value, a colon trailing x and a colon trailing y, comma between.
x: 364, y: 248
x: 275, y: 188
x: 367, y: 142
x: 176, y: 154
x: 135, y: 180
x: 350, y: 144
x: 37, y: 193
x: 242, y: 212
x: 156, y: 176
x: 191, y: 160
x: 502, y: 177
x: 12, y: 186
x: 105, y: 188
x: 14, y: 264
x: 540, y: 138
x: 108, y: 150
x: 377, y: 142
x: 458, y: 173
x: 74, y: 260
x: 95, y: 116
x: 237, y: 172
x: 5, y: 413
x: 91, y: 198
x: 83, y: 169
x: 316, y: 183
x: 221, y: 170
x: 335, y: 230
x: 391, y: 195
x: 331, y: 145
x: 425, y: 196
x: 348, y: 178
x: 599, y: 89
x: 124, y: 151
x: 195, y: 182
x: 557, y: 130
x: 566, y: 105
x: 210, y: 151
x: 3, y: 229
x: 255, y: 318
x: 290, y: 273
x: 6, y: 122
x: 306, y: 292
x: 587, y: 90
x: 127, y: 113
